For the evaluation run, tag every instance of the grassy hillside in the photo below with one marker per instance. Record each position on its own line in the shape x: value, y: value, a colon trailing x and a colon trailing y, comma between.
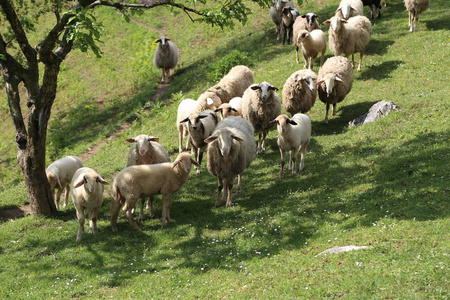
x: 383, y: 184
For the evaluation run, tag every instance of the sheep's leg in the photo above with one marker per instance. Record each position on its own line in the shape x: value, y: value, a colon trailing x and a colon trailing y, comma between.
x: 322, y: 59
x: 93, y: 220
x: 313, y: 60
x: 66, y: 200
x: 302, y: 153
x: 180, y: 138
x: 141, y: 211
x: 219, y: 191
x: 150, y: 206
x: 258, y: 148
x: 360, y: 60
x: 296, y: 55
x: 199, y: 160
x: 353, y: 60
x: 326, y: 114
x: 282, y: 162
x: 239, y: 178
x: 128, y: 209
x: 227, y: 191
x: 293, y: 162
x: 334, y: 108
x: 410, y: 23
x: 305, y: 59
x: 58, y: 197
x: 165, y: 215
x: 81, y: 217
x: 115, y: 208
x: 263, y: 143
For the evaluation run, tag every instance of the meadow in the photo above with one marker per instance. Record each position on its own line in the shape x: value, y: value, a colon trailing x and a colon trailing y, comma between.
x: 383, y: 184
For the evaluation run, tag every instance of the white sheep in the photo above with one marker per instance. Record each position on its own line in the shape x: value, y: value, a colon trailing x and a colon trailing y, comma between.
x: 293, y: 136
x: 200, y: 127
x: 335, y: 80
x: 146, y: 150
x: 165, y: 57
x: 415, y: 8
x: 87, y: 196
x: 59, y: 175
x: 148, y: 180
x: 288, y: 17
x: 232, y: 108
x: 231, y: 149
x: 275, y: 12
x: 312, y: 43
x: 349, y: 37
x: 350, y: 8
x: 300, y: 92
x: 260, y: 105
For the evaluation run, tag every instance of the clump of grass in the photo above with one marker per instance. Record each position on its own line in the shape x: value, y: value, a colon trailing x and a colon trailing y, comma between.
x: 222, y: 66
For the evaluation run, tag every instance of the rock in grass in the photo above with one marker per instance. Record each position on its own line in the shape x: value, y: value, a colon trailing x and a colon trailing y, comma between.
x: 378, y: 110
x: 338, y: 249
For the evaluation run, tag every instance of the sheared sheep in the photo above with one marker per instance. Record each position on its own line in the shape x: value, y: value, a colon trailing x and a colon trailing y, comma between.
x: 313, y: 43
x: 300, y: 92
x: 350, y: 8
x: 275, y: 12
x: 231, y: 149
x: 148, y: 180
x: 87, y: 196
x: 232, y: 108
x: 293, y: 136
x: 335, y: 82
x: 349, y: 37
x: 415, y: 8
x: 59, y: 176
x: 146, y: 150
x: 200, y: 127
x: 260, y: 105
x: 165, y: 57
x: 288, y: 17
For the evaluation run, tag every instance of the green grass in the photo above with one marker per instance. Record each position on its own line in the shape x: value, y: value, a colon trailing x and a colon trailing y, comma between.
x: 383, y: 184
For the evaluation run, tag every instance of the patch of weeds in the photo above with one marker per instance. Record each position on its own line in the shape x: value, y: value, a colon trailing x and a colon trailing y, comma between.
x: 223, y: 66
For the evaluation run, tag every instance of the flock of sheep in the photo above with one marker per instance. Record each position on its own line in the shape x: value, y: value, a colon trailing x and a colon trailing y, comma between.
x: 245, y: 108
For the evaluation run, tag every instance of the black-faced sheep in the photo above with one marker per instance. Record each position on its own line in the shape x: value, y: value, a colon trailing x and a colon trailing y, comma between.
x: 415, y: 8
x: 165, y: 57
x: 288, y: 17
x: 300, y: 92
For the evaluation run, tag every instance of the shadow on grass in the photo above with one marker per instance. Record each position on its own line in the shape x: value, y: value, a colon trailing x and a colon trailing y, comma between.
x: 379, y: 72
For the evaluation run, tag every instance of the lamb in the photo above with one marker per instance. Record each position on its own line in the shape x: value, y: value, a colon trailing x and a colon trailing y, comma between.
x: 87, y: 196
x: 261, y: 104
x: 59, y: 175
x: 349, y: 8
x: 300, y: 92
x: 187, y: 107
x: 232, y: 108
x: 200, y: 127
x: 148, y: 180
x: 165, y: 57
x: 288, y: 17
x: 415, y: 8
x: 146, y: 150
x: 231, y: 149
x: 335, y: 82
x: 312, y: 44
x: 275, y: 12
x: 374, y: 6
x: 293, y: 135
x: 349, y: 37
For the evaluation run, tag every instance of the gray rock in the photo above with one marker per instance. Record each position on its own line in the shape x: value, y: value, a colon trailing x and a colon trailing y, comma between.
x: 378, y: 110
x: 338, y: 249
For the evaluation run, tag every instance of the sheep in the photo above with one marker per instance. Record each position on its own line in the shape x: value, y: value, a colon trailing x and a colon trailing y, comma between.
x: 312, y: 44
x: 300, y: 92
x: 293, y: 135
x: 275, y: 12
x: 349, y: 37
x: 374, y: 6
x: 415, y: 8
x: 185, y: 108
x: 146, y: 150
x: 231, y: 149
x: 87, y: 196
x: 261, y: 104
x: 165, y: 57
x: 350, y: 8
x: 200, y: 127
x: 288, y: 17
x: 335, y: 82
x: 148, y: 180
x: 309, y: 21
x: 59, y: 174
x: 232, y: 108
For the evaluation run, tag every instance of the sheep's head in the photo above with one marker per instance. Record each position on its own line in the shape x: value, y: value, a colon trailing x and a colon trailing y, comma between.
x: 90, y: 181
x: 302, y: 35
x: 163, y: 41
x: 264, y: 89
x: 308, y: 80
x: 330, y: 82
x: 225, y: 139
x: 194, y: 121
x: 184, y: 162
x: 311, y: 20
x: 335, y: 23
x: 53, y: 180
x: 346, y: 10
x: 279, y: 4
x: 283, y: 122
x: 142, y: 143
x: 226, y: 110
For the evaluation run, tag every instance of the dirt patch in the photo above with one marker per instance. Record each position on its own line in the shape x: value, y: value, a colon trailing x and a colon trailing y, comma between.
x: 14, y: 213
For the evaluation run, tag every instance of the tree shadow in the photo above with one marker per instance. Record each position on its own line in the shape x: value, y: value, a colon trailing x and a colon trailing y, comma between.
x: 438, y: 24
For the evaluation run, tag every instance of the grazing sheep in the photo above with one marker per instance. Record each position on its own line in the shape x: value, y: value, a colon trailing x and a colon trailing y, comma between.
x: 200, y: 127
x: 261, y: 104
x: 232, y: 108
x: 275, y: 12
x: 415, y: 8
x: 87, y: 196
x: 293, y: 135
x: 187, y: 107
x: 165, y: 57
x: 288, y: 17
x: 350, y: 8
x: 231, y: 149
x: 349, y: 37
x: 148, y: 180
x: 312, y: 44
x: 144, y: 151
x: 300, y: 92
x: 59, y: 175
x: 335, y: 82
x: 374, y: 6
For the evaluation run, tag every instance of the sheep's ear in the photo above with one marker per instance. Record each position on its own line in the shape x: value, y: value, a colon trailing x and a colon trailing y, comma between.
x: 255, y: 87
x: 153, y: 139
x: 202, y: 117
x: 158, y: 41
x: 209, y: 101
x: 210, y: 139
x: 339, y: 8
x: 185, y: 120
x: 304, y: 16
x: 218, y: 109
x: 132, y: 140
x: 343, y: 20
x: 292, y: 122
x: 271, y: 87
x: 320, y: 80
x: 236, y: 138
x: 101, y: 180
x: 80, y: 183
x: 195, y: 162
x: 234, y: 109
x: 176, y: 163
x: 338, y: 79
x: 326, y: 22
x: 274, y: 121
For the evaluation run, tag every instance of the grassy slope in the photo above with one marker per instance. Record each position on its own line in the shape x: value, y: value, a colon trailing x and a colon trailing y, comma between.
x: 383, y: 184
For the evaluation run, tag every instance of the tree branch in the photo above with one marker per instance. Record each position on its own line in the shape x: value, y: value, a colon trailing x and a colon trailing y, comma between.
x: 10, y: 63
